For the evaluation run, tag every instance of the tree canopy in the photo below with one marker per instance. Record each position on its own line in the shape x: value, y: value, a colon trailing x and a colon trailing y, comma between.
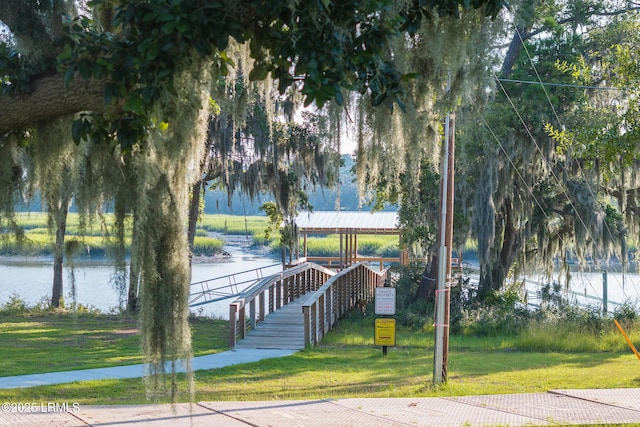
x: 151, y: 100
x: 135, y: 81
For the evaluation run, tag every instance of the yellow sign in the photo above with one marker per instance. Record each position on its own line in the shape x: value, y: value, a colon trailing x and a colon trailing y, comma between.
x: 385, y: 332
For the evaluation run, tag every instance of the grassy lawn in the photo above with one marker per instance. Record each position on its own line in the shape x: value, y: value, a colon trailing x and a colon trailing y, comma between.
x: 51, y: 342
x: 347, y: 364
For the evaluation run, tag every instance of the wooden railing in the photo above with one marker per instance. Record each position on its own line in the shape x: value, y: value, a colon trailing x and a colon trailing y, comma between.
x: 272, y: 293
x: 337, y: 262
x: 352, y: 286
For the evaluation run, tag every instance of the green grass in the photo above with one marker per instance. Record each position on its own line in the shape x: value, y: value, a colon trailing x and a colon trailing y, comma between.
x: 207, y: 245
x: 39, y: 239
x: 50, y: 342
x: 369, y: 245
x: 234, y: 224
x: 346, y: 364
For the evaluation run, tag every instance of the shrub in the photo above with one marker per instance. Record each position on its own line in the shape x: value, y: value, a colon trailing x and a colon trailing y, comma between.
x: 15, y: 305
x: 412, y: 312
x: 626, y: 314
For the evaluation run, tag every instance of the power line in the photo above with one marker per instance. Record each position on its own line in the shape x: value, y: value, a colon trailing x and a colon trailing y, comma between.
x: 579, y: 167
x: 546, y: 162
x: 526, y: 184
x: 540, y: 83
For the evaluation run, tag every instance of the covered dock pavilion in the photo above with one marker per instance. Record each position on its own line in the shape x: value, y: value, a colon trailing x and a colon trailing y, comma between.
x: 348, y: 225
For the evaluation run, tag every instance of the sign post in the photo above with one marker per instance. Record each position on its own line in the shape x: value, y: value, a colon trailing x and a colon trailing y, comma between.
x: 385, y: 333
x: 385, y: 328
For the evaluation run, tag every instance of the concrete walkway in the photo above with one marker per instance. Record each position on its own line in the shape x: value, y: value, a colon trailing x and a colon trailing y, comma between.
x: 560, y: 407
x: 212, y: 361
x: 565, y: 407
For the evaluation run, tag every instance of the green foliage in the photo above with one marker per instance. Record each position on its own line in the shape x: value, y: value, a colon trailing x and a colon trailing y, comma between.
x: 497, y: 315
x: 413, y: 313
x: 276, y: 220
x: 419, y: 212
x: 287, y: 40
x: 14, y: 305
x: 627, y: 315
x: 14, y: 76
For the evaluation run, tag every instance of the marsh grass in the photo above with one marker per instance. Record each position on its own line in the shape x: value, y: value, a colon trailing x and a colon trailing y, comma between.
x: 209, y: 246
x: 234, y: 224
x: 39, y: 238
x: 368, y: 245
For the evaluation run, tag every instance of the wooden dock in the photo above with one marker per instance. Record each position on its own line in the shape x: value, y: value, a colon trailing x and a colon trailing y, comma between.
x: 282, y: 329
x: 295, y: 308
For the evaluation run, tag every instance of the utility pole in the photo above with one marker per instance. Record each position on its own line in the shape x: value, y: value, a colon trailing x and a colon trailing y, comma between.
x: 443, y: 288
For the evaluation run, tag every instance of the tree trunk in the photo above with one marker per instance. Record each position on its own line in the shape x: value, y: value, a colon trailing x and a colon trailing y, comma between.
x: 133, y: 295
x: 427, y: 287
x: 493, y: 277
x: 515, y: 47
x: 61, y: 226
x: 133, y: 300
x: 194, y: 213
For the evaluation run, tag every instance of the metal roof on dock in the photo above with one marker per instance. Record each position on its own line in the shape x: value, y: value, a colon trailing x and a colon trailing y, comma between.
x: 360, y: 222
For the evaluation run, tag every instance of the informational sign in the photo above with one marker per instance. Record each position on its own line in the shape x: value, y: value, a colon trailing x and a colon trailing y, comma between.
x: 385, y: 302
x: 385, y: 332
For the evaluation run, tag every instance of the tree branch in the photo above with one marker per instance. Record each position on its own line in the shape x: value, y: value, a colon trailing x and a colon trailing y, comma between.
x: 49, y: 100
x: 523, y: 33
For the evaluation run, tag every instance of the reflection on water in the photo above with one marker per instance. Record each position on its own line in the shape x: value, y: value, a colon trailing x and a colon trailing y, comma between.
x: 31, y: 280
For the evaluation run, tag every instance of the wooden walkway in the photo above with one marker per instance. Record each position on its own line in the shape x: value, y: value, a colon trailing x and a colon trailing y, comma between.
x: 295, y: 308
x: 282, y: 329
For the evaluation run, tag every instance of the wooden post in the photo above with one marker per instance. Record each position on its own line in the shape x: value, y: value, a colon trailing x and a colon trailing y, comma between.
x: 252, y: 313
x: 314, y: 323
x: 307, y: 321
x: 605, y: 291
x: 305, y: 244
x: 441, y: 344
x: 233, y: 311
x: 261, y: 302
x: 322, y: 313
x: 243, y: 323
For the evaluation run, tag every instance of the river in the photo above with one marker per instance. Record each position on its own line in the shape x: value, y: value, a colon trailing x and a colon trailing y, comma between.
x: 31, y: 279
x: 588, y: 287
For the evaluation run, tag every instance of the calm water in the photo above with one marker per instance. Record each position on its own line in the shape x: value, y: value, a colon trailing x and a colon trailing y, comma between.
x: 31, y: 280
x: 620, y: 287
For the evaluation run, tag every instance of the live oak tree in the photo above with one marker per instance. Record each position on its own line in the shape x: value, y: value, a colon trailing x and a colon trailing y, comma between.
x: 550, y: 168
x: 399, y: 155
x: 137, y: 76
x: 528, y: 192
x: 255, y: 145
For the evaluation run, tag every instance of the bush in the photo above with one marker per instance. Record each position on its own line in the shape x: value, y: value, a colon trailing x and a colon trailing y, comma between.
x: 15, y: 305
x: 558, y: 325
x: 500, y: 314
x: 626, y: 314
x: 411, y: 312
